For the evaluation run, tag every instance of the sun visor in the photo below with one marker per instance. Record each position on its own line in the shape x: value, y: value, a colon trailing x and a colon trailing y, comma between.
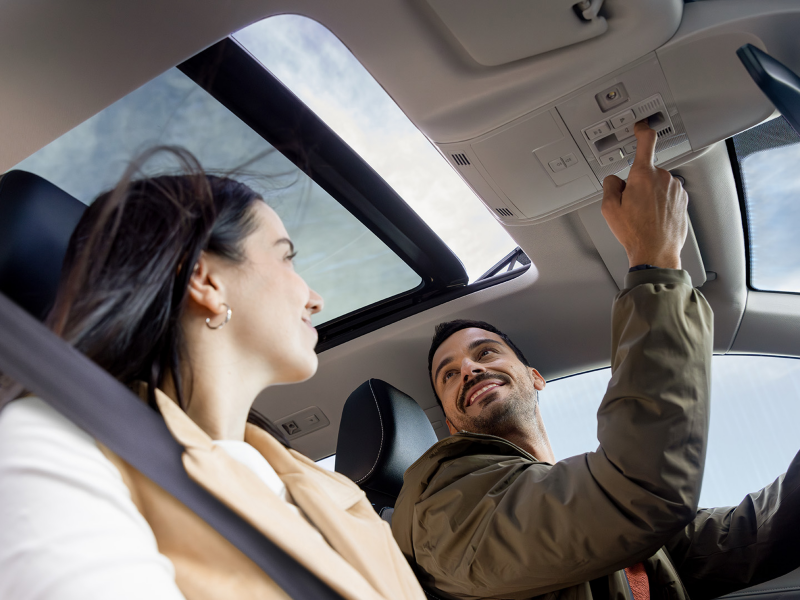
x: 502, y: 31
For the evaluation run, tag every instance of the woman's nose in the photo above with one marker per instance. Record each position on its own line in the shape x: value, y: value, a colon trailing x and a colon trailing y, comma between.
x: 315, y: 302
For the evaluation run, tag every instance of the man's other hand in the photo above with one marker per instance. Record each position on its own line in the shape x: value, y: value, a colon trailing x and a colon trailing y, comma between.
x: 648, y: 213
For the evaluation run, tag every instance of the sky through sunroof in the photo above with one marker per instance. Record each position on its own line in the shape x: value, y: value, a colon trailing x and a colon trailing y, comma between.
x: 323, y: 73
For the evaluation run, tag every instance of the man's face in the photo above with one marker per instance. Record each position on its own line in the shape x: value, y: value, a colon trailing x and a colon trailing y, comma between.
x: 483, y: 386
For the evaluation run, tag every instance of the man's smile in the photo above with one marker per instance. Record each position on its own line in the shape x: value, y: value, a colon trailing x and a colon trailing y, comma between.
x: 480, y: 392
x: 479, y: 389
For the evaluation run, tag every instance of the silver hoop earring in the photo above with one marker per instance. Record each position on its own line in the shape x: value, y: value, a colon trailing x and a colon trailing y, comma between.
x: 221, y: 325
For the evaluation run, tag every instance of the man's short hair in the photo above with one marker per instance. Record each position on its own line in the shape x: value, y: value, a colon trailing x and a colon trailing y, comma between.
x: 448, y: 328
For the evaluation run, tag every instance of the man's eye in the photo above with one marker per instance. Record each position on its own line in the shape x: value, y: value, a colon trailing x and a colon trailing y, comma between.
x: 447, y: 375
x: 485, y: 352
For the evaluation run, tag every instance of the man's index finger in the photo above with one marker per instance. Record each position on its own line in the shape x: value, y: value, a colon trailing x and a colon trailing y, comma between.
x: 645, y: 146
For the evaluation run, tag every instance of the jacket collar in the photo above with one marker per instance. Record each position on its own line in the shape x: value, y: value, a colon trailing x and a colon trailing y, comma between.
x: 286, y: 462
x: 466, y: 442
x: 322, y: 497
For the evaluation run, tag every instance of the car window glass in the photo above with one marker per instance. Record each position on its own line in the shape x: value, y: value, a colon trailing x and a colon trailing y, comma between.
x: 328, y: 462
x: 325, y: 75
x: 755, y: 406
x: 337, y: 255
x: 769, y: 165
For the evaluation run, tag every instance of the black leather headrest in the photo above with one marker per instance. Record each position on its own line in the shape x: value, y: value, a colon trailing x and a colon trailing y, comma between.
x: 36, y: 221
x: 383, y: 431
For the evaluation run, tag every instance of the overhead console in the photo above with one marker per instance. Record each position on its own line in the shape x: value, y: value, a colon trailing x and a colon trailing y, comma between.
x: 554, y: 159
x: 693, y: 91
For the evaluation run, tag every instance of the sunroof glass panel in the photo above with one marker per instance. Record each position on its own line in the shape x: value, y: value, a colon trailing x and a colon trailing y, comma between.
x: 321, y: 71
x: 338, y: 256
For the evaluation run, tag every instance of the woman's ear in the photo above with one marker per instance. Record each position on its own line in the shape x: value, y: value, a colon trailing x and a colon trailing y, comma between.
x: 205, y: 288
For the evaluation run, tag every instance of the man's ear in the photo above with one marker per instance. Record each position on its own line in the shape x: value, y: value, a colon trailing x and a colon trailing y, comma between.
x: 538, y: 380
x: 450, y: 427
x: 206, y: 292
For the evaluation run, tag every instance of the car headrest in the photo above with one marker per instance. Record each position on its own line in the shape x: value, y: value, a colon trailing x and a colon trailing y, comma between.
x: 383, y: 431
x: 36, y: 221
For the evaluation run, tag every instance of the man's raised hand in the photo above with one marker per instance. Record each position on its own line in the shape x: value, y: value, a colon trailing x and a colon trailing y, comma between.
x: 648, y: 213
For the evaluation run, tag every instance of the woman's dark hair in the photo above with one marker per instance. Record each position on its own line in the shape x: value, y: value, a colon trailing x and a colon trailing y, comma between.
x: 126, y: 272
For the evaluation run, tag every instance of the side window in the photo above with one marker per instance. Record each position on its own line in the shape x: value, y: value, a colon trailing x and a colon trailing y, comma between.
x: 766, y: 160
x: 755, y: 405
x: 328, y: 462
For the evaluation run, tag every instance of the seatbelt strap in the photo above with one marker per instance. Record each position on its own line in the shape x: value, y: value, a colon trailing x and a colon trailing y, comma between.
x: 109, y: 412
x: 637, y: 581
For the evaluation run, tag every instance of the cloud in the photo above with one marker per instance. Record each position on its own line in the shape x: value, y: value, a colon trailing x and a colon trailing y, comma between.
x: 325, y: 75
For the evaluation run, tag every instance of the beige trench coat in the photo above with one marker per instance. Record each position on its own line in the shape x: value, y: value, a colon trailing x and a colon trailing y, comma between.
x: 355, y: 552
x: 479, y: 517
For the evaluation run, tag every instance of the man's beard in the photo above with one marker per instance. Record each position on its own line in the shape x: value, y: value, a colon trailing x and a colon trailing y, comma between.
x: 517, y: 411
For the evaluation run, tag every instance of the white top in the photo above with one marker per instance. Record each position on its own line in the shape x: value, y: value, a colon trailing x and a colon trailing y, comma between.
x: 68, y: 527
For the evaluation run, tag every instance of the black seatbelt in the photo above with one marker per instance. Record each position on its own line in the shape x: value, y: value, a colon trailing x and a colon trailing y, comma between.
x: 104, y: 408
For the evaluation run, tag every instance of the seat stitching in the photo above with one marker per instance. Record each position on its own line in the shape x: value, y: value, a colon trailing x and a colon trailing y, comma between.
x: 380, y: 420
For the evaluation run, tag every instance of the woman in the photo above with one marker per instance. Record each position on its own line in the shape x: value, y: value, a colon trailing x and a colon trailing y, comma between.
x: 182, y: 287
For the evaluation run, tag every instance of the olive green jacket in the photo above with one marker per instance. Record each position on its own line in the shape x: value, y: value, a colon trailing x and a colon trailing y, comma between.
x: 479, y: 517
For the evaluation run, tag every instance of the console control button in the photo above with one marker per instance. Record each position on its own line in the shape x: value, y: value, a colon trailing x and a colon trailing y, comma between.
x: 595, y: 131
x: 569, y: 160
x: 630, y: 148
x: 623, y: 119
x: 557, y: 165
x: 610, y: 158
x: 623, y: 133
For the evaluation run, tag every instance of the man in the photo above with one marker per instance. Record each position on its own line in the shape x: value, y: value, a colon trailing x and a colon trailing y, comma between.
x: 488, y: 512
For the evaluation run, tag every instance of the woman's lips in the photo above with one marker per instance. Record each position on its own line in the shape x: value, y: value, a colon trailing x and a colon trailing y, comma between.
x: 308, y: 322
x: 481, y: 390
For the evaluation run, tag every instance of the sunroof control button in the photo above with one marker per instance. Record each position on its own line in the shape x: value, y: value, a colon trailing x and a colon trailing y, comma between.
x: 557, y: 165
x: 595, y: 131
x: 610, y: 158
x: 569, y: 159
x: 622, y: 119
x: 630, y: 148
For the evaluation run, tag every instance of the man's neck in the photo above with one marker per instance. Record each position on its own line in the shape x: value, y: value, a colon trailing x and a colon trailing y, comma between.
x: 533, y: 439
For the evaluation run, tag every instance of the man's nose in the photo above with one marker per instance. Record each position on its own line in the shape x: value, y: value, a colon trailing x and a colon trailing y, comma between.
x: 470, y: 368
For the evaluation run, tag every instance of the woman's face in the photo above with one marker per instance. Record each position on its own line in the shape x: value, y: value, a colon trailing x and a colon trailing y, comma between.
x: 271, y: 304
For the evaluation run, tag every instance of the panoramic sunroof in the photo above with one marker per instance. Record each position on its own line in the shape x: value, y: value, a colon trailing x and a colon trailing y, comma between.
x: 337, y: 254
x: 768, y: 157
x: 325, y: 75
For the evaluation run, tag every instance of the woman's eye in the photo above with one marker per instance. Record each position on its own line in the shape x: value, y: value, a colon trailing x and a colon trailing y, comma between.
x: 290, y: 257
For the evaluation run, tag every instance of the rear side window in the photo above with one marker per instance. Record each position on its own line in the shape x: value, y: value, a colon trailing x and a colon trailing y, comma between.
x: 755, y: 408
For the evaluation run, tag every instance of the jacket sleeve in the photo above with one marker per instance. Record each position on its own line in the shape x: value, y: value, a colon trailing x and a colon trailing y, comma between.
x: 516, y: 528
x: 727, y: 549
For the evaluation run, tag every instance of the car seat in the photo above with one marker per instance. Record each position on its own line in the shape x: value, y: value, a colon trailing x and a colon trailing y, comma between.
x: 382, y: 432
x: 36, y: 221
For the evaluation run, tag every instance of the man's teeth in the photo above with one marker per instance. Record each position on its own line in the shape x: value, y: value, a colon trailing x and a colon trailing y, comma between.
x: 480, y: 391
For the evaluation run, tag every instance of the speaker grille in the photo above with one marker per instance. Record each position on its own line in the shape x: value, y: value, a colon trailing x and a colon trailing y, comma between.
x: 504, y: 212
x: 664, y: 132
x: 649, y: 107
x: 461, y: 159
